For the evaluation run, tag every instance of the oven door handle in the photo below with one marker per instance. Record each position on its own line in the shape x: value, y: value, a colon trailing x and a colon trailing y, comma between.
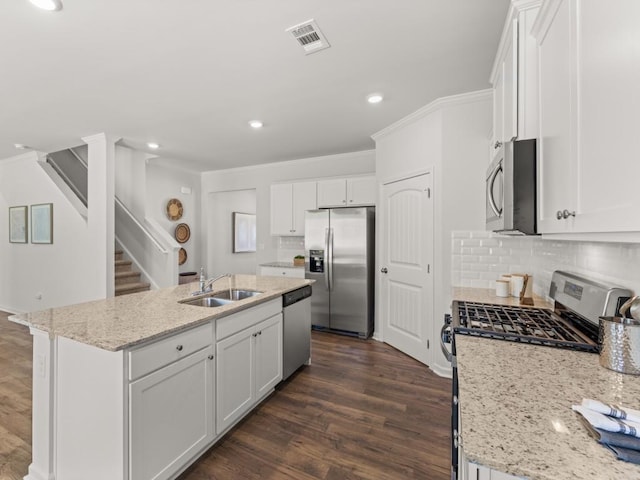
x: 447, y: 354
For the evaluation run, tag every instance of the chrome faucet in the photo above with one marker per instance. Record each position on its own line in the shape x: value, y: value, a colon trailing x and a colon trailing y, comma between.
x: 206, y: 286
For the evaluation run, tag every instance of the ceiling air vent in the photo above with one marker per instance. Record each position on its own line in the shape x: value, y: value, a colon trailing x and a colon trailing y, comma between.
x: 309, y: 36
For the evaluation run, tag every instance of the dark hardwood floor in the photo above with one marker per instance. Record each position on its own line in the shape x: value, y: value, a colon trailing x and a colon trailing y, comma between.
x: 362, y: 410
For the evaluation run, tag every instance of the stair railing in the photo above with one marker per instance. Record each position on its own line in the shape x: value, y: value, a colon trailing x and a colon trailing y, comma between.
x: 152, y: 249
x: 50, y: 160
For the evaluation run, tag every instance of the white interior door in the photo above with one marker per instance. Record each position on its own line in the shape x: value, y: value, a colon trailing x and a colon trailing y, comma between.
x: 405, y: 273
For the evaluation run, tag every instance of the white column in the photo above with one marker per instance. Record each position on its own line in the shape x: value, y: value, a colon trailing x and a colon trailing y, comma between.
x: 100, y: 195
x: 42, y: 428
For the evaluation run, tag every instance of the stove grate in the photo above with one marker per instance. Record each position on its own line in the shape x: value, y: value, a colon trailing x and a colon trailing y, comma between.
x: 522, y: 324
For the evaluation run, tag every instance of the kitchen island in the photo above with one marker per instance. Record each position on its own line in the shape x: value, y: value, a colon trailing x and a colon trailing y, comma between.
x: 515, y: 409
x: 139, y: 386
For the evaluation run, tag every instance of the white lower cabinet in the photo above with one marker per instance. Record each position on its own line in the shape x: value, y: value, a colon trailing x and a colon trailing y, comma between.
x: 293, y: 272
x: 172, y: 416
x: 249, y: 365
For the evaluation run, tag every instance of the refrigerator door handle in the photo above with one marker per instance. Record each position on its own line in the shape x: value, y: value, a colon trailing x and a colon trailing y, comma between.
x: 326, y: 260
x: 330, y: 260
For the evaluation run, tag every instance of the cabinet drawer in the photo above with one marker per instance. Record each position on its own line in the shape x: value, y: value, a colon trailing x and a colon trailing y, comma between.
x: 150, y: 357
x: 237, y: 322
x: 282, y: 272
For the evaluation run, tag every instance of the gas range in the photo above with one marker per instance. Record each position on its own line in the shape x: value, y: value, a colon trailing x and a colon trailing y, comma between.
x: 572, y: 324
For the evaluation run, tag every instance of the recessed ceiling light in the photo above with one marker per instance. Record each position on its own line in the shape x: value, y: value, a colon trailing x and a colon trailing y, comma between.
x: 153, y: 145
x: 50, y: 5
x: 255, y: 124
x: 20, y: 146
x: 375, y: 98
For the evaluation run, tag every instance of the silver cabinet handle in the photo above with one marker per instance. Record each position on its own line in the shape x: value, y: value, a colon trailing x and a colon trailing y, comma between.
x: 498, y: 144
x: 384, y: 270
x: 559, y: 214
x: 210, y: 357
x: 566, y: 214
x: 179, y: 348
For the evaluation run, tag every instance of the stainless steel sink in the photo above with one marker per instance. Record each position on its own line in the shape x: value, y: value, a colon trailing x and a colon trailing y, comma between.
x: 224, y: 297
x: 236, y: 294
x: 208, y: 302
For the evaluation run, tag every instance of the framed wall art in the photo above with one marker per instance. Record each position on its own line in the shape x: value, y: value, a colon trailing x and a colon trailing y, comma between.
x: 42, y: 223
x: 18, y: 229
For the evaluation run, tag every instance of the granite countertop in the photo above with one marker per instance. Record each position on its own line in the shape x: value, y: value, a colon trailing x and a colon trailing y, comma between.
x: 281, y: 265
x: 121, y: 322
x: 487, y: 295
x: 516, y: 417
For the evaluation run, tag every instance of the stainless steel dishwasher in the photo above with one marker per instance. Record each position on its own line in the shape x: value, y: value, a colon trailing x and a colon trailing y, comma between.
x: 296, y: 324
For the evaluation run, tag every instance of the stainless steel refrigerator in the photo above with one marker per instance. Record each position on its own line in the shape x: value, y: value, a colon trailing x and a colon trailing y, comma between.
x: 340, y: 248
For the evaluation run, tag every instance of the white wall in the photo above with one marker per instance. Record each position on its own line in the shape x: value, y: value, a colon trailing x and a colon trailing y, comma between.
x: 450, y: 136
x: 480, y: 257
x: 260, y: 178
x: 130, y: 179
x: 164, y: 182
x: 63, y: 272
x: 220, y: 233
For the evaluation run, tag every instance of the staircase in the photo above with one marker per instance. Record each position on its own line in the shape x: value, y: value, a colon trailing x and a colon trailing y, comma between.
x: 127, y: 280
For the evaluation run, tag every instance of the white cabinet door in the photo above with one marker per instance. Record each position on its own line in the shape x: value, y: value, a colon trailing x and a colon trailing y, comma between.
x: 498, y: 108
x: 281, y: 208
x: 608, y: 105
x: 332, y: 193
x: 587, y: 120
x: 171, y: 416
x: 361, y: 191
x: 304, y: 198
x: 235, y: 378
x: 556, y: 146
x: 249, y: 365
x: 268, y: 356
x: 289, y: 201
x: 510, y: 87
x: 347, y: 192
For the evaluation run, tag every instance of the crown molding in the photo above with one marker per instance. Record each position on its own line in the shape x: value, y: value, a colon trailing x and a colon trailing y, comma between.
x: 436, y: 105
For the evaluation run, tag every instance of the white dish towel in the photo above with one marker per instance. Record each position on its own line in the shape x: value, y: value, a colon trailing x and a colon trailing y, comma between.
x: 612, y: 410
x: 608, y: 423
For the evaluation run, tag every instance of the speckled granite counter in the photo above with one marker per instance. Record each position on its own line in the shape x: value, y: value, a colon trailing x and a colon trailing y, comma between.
x: 516, y: 412
x: 120, y: 322
x: 486, y: 295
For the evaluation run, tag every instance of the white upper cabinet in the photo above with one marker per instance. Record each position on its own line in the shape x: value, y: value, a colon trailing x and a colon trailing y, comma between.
x: 589, y: 61
x: 347, y: 192
x: 289, y: 201
x: 514, y: 77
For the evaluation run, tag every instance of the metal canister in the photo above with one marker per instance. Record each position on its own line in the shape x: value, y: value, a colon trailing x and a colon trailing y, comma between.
x: 620, y: 344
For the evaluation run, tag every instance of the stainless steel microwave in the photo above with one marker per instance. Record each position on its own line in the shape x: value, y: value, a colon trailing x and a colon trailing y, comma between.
x: 511, y: 189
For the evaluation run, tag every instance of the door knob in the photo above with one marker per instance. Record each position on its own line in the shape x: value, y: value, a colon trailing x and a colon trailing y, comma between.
x: 384, y: 270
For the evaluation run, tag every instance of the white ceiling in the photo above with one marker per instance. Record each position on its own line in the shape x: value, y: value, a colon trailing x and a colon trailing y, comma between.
x: 190, y: 74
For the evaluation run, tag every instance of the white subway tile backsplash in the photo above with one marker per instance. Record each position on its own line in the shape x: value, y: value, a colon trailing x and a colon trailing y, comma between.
x: 474, y: 266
